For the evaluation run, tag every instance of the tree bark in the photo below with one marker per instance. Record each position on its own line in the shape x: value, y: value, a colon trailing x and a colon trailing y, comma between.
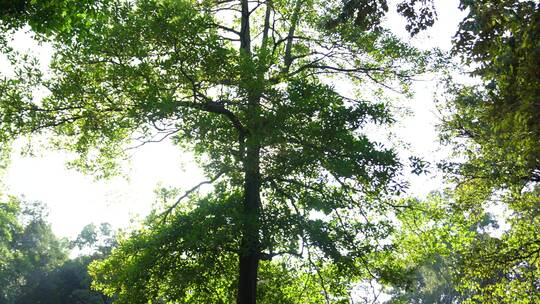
x: 250, y: 248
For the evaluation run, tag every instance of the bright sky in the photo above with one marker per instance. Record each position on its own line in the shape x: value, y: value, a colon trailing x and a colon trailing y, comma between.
x: 75, y: 200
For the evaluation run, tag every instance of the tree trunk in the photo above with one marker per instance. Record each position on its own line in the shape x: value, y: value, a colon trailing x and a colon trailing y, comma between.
x: 249, y: 254
x: 247, y: 288
x: 250, y: 249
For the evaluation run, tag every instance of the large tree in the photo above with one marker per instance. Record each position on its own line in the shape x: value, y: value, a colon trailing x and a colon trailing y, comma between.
x: 256, y: 90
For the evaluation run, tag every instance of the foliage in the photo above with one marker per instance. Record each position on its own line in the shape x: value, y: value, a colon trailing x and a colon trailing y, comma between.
x: 180, y: 261
x: 44, y: 16
x: 505, y: 269
x: 30, y: 248
x: 500, y: 118
x: 432, y: 283
x: 419, y: 14
x: 70, y: 281
x: 434, y: 240
x: 455, y: 256
x: 34, y: 266
x: 495, y: 127
x: 9, y: 227
x: 97, y: 240
x: 299, y: 205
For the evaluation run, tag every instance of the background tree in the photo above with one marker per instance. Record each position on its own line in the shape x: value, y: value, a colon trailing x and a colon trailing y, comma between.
x: 8, y: 228
x: 431, y: 244
x: 252, y: 96
x: 34, y: 264
x: 31, y: 249
x: 495, y: 126
x: 99, y: 241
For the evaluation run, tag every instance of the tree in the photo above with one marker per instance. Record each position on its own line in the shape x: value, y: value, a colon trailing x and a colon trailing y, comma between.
x: 99, y: 241
x: 432, y: 245
x: 495, y: 127
x: 252, y: 89
x: 500, y: 116
x: 34, y: 266
x: 30, y: 249
x: 8, y: 228
x: 70, y: 281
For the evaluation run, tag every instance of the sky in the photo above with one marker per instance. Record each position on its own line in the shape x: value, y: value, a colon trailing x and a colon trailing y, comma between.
x: 75, y: 200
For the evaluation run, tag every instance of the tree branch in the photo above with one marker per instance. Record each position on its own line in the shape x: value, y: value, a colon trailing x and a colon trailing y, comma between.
x: 288, y: 48
x: 245, y: 38
x: 187, y: 193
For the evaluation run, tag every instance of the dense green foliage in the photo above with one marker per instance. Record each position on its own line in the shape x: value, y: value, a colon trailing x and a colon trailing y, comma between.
x: 500, y: 117
x: 496, y: 128
x: 453, y: 247
x: 30, y: 249
x: 433, y: 242
x: 43, y: 16
x: 34, y: 266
